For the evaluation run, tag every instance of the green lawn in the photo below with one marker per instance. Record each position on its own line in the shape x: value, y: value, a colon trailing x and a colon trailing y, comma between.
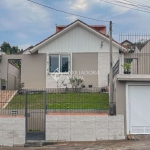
x: 97, y: 101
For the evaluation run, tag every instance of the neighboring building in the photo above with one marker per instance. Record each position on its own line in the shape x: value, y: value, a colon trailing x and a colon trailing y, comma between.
x: 132, y: 91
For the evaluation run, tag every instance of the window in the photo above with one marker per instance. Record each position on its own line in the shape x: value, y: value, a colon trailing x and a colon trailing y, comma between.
x: 58, y: 63
x: 54, y: 63
x: 64, y: 64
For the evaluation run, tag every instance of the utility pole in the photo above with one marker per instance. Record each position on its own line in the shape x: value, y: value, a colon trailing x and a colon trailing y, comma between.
x: 111, y: 104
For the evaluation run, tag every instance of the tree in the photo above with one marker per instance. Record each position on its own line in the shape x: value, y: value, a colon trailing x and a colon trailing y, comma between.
x: 8, y: 49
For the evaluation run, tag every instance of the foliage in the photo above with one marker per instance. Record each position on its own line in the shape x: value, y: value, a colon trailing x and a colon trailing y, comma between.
x: 75, y: 82
x: 4, y: 82
x: 126, y: 66
x: 8, y: 49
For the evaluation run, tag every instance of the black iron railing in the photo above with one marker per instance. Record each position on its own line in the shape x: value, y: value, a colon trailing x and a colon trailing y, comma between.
x: 115, y: 70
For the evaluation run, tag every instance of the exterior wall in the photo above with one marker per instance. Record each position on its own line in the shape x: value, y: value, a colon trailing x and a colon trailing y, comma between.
x: 103, y: 67
x: 12, y: 130
x: 145, y: 49
x: 83, y: 62
x: 140, y: 63
x: 120, y: 97
x: 13, y: 77
x: 33, y: 69
x: 84, y: 127
x: 13, y: 70
x: 78, y: 39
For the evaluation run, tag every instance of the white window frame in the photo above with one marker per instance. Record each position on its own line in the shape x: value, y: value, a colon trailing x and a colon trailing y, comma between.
x: 60, y: 61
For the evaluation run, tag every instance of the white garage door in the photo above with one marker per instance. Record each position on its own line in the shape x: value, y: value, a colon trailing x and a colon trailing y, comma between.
x: 139, y: 109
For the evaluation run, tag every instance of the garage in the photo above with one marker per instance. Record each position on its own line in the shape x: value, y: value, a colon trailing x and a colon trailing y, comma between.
x: 138, y: 109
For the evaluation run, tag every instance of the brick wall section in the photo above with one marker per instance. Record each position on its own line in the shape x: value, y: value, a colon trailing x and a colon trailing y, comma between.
x: 12, y: 130
x: 84, y: 128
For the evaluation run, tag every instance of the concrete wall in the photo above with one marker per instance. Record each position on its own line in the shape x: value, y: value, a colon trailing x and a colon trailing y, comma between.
x: 84, y: 127
x: 33, y: 69
x: 12, y: 130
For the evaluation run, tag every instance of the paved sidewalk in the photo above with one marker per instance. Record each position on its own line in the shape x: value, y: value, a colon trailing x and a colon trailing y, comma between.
x: 141, y: 144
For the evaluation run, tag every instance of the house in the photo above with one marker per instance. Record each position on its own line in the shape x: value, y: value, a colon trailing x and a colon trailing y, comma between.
x: 82, y: 48
x: 132, y: 91
x: 76, y: 50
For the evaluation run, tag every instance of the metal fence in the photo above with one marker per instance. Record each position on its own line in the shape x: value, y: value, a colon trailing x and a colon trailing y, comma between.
x: 35, y: 104
x: 137, y: 58
x: 85, y: 100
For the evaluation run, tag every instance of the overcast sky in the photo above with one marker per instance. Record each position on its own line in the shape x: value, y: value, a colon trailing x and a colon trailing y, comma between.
x: 23, y: 23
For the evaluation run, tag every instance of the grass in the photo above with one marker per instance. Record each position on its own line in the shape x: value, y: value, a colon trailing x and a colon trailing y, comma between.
x: 98, y: 101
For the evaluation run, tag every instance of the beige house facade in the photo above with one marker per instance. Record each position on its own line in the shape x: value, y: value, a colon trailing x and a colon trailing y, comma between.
x: 85, y: 50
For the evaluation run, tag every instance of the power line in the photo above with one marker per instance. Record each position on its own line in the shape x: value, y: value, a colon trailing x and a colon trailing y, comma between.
x: 133, y: 4
x: 125, y: 6
x: 66, y: 12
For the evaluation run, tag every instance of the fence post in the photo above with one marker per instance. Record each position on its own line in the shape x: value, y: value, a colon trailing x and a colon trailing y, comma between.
x: 26, y: 111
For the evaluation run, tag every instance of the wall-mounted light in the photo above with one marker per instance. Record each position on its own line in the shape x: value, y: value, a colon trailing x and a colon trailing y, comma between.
x: 101, y: 44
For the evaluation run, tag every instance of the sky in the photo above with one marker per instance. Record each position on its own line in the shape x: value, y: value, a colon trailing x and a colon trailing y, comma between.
x: 23, y: 23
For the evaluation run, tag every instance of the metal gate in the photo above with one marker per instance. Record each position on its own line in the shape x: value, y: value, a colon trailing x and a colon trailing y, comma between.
x: 35, y: 115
